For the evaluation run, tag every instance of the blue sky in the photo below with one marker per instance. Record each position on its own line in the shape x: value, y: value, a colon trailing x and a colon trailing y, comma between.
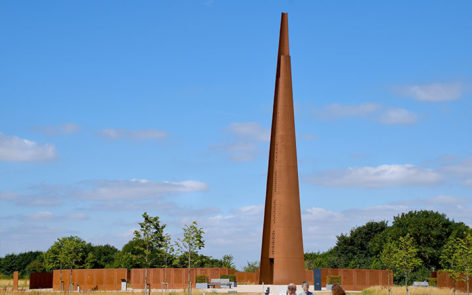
x: 111, y: 108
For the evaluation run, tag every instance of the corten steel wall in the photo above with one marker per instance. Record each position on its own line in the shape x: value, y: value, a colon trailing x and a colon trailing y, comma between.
x: 40, y: 280
x: 177, y: 278
x: 15, y: 281
x: 91, y: 279
x: 444, y: 281
x: 247, y: 278
x: 309, y: 276
x: 282, y: 259
x: 357, y: 279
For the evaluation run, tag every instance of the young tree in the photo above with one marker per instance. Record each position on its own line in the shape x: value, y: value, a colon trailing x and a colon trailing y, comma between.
x: 387, y: 258
x: 450, y: 261
x: 464, y: 252
x: 191, y: 243
x: 404, y: 257
x: 72, y: 254
x: 150, y: 236
x: 227, y: 261
x: 251, y: 266
x: 168, y: 252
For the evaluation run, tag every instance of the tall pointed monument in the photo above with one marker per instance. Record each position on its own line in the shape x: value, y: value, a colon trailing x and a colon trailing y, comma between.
x: 282, y: 242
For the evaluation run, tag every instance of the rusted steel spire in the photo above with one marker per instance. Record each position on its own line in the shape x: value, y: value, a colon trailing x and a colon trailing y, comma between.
x: 282, y: 242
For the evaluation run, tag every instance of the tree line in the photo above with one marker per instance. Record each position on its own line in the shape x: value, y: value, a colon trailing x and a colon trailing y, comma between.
x: 417, y: 243
x: 426, y: 240
x: 150, y: 247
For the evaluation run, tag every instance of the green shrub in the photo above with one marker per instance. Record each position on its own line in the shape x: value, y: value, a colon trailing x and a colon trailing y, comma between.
x: 202, y: 279
x: 232, y: 278
x: 333, y: 280
x: 433, y: 282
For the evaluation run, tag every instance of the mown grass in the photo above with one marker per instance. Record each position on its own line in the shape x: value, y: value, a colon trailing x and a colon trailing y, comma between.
x: 413, y: 291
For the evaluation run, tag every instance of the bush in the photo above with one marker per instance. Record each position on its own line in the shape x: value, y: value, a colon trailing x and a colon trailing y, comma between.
x: 202, y: 279
x: 333, y: 280
x: 433, y: 282
x: 232, y: 278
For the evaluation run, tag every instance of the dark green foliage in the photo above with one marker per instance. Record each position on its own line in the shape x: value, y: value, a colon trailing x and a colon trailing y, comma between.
x: 101, y: 256
x: 253, y: 266
x: 18, y: 262
x: 232, y: 278
x: 36, y: 266
x: 356, y: 250
x: 202, y: 279
x: 333, y: 280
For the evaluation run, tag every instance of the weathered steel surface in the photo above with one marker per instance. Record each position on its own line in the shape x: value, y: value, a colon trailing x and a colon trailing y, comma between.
x: 357, y: 279
x: 90, y: 279
x: 40, y: 280
x: 282, y: 259
x: 248, y: 278
x: 177, y: 278
x: 15, y: 281
x: 444, y: 281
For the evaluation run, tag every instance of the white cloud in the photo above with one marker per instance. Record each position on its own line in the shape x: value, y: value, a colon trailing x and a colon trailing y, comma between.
x: 435, y: 92
x: 336, y: 111
x: 239, y: 232
x: 468, y: 182
x: 377, y: 177
x: 62, y: 129
x: 247, y: 140
x: 144, y: 134
x: 76, y: 216
x: 36, y: 197
x: 398, y: 116
x: 109, y: 194
x: 15, y: 149
x: 41, y: 216
x: 250, y: 131
x: 238, y: 151
x: 309, y: 136
x: 135, y: 189
x: 462, y: 168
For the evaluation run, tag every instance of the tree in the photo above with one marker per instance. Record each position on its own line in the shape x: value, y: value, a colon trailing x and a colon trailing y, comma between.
x: 18, y: 262
x: 464, y: 252
x: 227, y: 261
x: 251, y: 266
x: 430, y: 231
x: 72, y: 254
x: 35, y: 266
x: 168, y: 252
x: 356, y: 249
x: 67, y: 252
x: 101, y: 256
x: 149, y: 237
x: 405, y: 257
x: 191, y: 243
x: 388, y: 260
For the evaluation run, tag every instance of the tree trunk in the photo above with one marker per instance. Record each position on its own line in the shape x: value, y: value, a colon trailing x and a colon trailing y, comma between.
x: 454, y: 287
x: 406, y: 284
x: 71, y: 286
x: 145, y: 281
x: 165, y: 275
x: 388, y: 283
x: 189, y: 282
x: 60, y: 277
x: 467, y: 285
